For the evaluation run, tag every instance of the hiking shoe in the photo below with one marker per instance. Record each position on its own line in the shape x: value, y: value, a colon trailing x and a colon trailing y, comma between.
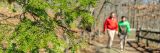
x: 121, y: 50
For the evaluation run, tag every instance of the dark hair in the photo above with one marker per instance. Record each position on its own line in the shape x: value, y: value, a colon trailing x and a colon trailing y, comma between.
x: 111, y: 14
x: 123, y: 17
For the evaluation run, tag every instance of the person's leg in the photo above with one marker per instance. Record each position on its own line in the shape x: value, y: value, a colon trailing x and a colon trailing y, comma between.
x: 108, y: 41
x: 121, y: 42
x: 125, y: 41
x: 109, y: 38
x: 111, y: 34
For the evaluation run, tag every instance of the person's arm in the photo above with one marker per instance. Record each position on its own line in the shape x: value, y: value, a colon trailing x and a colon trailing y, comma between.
x: 116, y: 26
x: 119, y: 27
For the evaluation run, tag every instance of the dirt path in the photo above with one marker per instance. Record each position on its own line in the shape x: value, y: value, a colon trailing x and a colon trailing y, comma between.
x: 100, y: 43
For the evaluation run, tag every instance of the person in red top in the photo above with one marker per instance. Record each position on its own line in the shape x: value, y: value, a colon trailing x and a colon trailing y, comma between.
x: 111, y: 25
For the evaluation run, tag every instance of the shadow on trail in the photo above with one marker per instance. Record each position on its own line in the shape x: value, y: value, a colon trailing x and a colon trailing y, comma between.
x: 142, y: 49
